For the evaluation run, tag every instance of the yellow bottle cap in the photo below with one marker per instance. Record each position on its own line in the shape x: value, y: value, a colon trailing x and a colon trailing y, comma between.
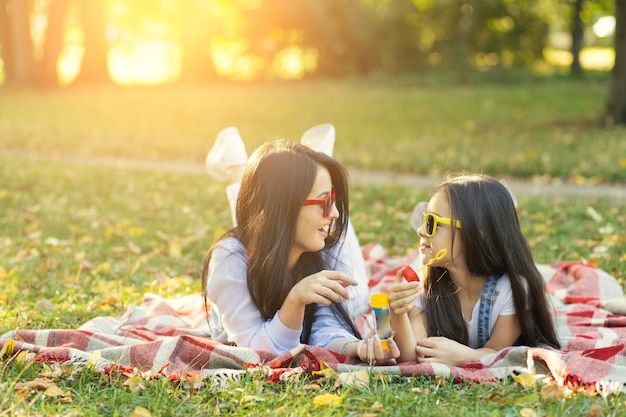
x: 379, y: 300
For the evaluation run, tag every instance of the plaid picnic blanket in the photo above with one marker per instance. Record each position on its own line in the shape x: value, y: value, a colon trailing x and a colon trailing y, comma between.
x: 169, y: 337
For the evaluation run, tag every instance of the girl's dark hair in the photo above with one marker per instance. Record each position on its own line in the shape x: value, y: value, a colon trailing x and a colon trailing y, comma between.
x: 277, y: 179
x: 493, y: 245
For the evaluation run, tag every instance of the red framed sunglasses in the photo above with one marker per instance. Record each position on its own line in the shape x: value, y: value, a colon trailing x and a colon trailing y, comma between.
x: 327, y: 203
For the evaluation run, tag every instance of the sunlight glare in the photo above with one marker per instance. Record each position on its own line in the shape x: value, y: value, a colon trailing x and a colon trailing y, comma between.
x: 230, y: 59
x: 145, y: 62
x: 605, y: 26
x: 293, y: 62
x: 68, y: 64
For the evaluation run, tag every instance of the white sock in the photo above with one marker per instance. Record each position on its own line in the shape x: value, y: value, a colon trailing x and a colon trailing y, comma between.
x: 228, y: 150
x: 320, y: 138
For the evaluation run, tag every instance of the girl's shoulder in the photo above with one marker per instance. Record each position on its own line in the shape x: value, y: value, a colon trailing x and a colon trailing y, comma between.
x: 503, y: 283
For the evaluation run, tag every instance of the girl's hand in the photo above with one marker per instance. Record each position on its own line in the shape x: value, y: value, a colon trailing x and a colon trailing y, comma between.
x: 443, y: 350
x: 402, y: 294
x: 321, y: 288
x: 371, y: 350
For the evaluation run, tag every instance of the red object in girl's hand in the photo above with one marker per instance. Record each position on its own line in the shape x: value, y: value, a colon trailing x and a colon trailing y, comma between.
x: 409, y: 274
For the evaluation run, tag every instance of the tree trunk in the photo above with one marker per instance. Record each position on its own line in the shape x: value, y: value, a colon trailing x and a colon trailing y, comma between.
x: 5, y: 53
x: 466, y: 26
x: 16, y: 42
x: 53, y: 42
x: 93, y: 69
x: 616, y: 108
x: 197, y: 63
x: 577, y: 37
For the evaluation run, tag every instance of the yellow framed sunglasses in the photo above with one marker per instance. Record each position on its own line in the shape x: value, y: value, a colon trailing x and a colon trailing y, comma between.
x: 431, y: 221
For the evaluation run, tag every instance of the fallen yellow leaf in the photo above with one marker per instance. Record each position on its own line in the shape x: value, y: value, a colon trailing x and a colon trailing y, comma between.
x: 23, y: 356
x: 8, y: 348
x: 323, y: 400
x: 552, y: 392
x: 594, y: 411
x: 94, y: 358
x: 525, y: 380
x: 54, y: 391
x: 327, y: 372
x: 140, y: 412
x: 135, y: 384
x: 37, y: 383
x: 355, y: 379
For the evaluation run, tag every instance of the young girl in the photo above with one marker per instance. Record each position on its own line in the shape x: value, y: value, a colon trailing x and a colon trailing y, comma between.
x: 485, y: 294
x: 275, y: 281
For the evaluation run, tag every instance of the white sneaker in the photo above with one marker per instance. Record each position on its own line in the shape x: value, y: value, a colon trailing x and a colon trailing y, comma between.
x: 320, y: 138
x: 513, y: 197
x: 228, y: 150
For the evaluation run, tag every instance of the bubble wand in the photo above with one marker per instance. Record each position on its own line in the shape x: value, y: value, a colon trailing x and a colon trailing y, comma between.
x: 410, y: 275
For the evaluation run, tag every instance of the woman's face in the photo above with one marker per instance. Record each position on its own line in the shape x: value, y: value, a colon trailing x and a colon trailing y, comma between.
x: 439, y: 205
x: 312, y: 227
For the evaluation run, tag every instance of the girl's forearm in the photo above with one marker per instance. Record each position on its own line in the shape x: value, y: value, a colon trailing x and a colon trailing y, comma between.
x: 403, y: 336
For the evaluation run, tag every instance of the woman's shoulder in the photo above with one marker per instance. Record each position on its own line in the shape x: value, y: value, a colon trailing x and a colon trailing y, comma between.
x: 229, y: 243
x: 228, y: 262
x: 227, y: 247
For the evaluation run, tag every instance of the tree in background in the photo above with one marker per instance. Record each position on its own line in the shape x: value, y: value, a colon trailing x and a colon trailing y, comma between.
x: 23, y: 66
x: 199, y: 25
x: 93, y: 69
x: 344, y: 34
x: 16, y: 43
x: 336, y: 37
x: 578, y: 34
x: 616, y: 107
x: 53, y: 42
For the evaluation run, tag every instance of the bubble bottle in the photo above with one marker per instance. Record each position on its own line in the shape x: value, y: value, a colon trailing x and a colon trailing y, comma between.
x: 380, y: 305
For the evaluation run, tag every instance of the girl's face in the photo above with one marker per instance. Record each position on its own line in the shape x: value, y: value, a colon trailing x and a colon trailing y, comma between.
x: 439, y: 205
x: 312, y: 227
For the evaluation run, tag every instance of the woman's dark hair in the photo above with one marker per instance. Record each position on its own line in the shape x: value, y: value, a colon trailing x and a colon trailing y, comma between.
x: 493, y: 245
x: 277, y: 179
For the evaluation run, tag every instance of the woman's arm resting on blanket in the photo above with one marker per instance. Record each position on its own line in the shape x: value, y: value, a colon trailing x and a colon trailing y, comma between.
x: 234, y: 313
x: 368, y: 351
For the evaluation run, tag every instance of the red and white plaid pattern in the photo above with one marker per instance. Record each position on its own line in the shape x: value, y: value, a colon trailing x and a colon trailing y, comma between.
x: 171, y: 338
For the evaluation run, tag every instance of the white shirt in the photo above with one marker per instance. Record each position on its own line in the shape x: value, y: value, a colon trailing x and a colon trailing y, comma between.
x: 503, y: 306
x: 236, y: 319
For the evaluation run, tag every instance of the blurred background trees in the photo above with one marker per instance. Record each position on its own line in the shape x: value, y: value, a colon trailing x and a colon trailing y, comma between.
x: 65, y: 42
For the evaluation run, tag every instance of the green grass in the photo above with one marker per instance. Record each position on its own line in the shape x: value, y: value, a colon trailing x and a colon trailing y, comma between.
x: 81, y: 238
x: 531, y: 129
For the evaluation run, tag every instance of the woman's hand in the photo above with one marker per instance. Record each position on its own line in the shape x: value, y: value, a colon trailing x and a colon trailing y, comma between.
x: 371, y: 350
x: 321, y: 288
x: 402, y: 294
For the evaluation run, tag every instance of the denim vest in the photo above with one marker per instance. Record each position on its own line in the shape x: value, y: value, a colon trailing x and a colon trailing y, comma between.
x: 487, y: 300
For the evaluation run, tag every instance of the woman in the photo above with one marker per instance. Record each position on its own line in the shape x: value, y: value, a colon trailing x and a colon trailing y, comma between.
x: 485, y: 294
x: 274, y: 281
